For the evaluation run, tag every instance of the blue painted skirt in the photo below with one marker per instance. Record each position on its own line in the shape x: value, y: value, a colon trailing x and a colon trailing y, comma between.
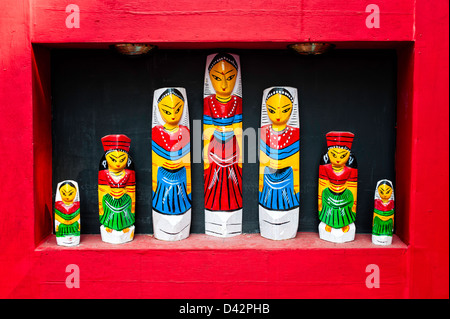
x: 171, y: 195
x: 278, y: 189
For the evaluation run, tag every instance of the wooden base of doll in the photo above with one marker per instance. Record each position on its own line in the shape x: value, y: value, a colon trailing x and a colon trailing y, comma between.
x: 278, y: 225
x: 382, y: 240
x: 171, y: 227
x: 337, y: 235
x: 223, y: 224
x: 117, y: 237
x: 68, y: 241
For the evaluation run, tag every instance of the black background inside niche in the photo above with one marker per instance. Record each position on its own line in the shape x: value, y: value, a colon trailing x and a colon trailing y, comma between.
x: 98, y: 92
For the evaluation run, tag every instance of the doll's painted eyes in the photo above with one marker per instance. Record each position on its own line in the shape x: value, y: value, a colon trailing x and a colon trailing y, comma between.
x: 231, y: 77
x: 286, y: 110
x: 178, y: 110
x: 385, y: 191
x: 167, y: 112
x: 271, y: 111
x: 340, y: 156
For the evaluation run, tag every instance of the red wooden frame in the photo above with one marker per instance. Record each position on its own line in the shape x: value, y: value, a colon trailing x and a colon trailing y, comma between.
x: 415, y: 266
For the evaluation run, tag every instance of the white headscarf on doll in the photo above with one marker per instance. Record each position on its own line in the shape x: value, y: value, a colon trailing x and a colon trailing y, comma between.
x: 208, y: 88
x: 294, y: 119
x: 387, y: 182
x: 58, y: 194
x: 157, y: 118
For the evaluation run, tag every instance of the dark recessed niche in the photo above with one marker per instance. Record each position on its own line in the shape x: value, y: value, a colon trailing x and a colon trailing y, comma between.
x: 98, y: 92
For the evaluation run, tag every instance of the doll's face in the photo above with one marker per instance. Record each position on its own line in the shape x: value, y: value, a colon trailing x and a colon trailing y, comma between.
x: 223, y: 78
x: 171, y: 109
x: 279, y: 109
x: 338, y: 156
x: 385, y: 192
x: 117, y: 160
x: 67, y: 193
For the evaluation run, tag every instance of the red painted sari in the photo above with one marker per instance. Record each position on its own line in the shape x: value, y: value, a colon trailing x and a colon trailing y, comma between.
x: 223, y: 177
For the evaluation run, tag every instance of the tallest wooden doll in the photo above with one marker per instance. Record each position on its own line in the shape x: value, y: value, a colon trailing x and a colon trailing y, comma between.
x: 222, y: 125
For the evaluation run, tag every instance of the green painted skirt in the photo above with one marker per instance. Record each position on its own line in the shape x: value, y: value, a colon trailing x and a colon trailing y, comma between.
x: 337, y: 208
x: 68, y: 230
x: 383, y: 227
x: 117, y: 213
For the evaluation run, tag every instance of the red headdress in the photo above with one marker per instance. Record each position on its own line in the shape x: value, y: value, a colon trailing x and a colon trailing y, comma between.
x: 340, y: 139
x: 116, y: 142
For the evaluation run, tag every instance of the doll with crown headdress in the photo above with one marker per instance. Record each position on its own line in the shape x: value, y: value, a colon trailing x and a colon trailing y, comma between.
x: 383, y: 214
x: 67, y: 213
x: 338, y: 182
x: 116, y: 190
x: 171, y: 169
x: 222, y: 125
x: 279, y: 176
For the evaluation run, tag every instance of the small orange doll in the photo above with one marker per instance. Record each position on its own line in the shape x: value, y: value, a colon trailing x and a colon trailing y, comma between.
x: 67, y: 214
x: 338, y: 180
x: 383, y: 214
x: 116, y: 190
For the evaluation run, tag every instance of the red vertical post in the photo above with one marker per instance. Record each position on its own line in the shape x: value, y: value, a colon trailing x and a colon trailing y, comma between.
x: 429, y: 208
x: 16, y: 151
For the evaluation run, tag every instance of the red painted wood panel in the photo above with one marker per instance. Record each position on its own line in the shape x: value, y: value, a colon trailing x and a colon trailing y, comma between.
x: 42, y: 143
x: 247, y: 266
x: 404, y: 139
x: 230, y: 21
x: 429, y: 215
x: 16, y: 140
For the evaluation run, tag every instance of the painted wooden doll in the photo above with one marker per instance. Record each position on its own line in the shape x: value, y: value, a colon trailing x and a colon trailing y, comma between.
x: 279, y: 176
x: 67, y: 213
x: 383, y: 215
x: 171, y: 165
x: 116, y: 190
x: 222, y: 124
x: 338, y: 178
